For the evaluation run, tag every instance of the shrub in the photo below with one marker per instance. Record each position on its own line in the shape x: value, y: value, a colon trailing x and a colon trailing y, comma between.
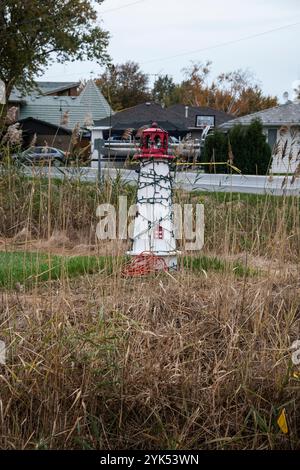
x: 216, y: 147
x: 249, y: 147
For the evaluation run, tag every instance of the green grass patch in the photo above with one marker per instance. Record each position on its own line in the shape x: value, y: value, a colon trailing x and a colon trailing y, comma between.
x: 208, y: 263
x: 29, y: 268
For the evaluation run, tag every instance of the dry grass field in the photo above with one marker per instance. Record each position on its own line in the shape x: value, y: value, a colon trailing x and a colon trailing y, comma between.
x: 198, y: 359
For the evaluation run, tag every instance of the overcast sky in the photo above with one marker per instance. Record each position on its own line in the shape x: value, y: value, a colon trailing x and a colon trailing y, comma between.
x: 152, y: 32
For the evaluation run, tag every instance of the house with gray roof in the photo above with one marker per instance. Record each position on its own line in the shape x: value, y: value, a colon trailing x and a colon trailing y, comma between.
x: 52, y: 106
x: 62, y: 105
x: 281, y: 126
x: 17, y: 98
x: 140, y: 115
x: 178, y: 120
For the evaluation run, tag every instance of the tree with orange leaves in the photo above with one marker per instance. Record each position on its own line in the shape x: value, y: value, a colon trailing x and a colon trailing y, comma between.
x: 235, y: 92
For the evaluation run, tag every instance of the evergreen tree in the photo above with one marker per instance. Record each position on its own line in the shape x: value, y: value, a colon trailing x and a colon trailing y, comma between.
x: 251, y: 152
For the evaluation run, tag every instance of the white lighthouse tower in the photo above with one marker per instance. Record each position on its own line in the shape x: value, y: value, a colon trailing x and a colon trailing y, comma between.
x: 153, y: 239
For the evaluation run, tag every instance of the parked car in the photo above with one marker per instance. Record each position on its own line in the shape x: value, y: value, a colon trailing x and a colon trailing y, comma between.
x: 41, y: 156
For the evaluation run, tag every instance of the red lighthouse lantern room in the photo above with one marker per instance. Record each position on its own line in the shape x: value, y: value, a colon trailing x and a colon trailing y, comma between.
x: 154, y: 144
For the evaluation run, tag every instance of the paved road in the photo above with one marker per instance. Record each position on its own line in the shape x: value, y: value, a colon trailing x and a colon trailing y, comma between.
x: 189, y: 181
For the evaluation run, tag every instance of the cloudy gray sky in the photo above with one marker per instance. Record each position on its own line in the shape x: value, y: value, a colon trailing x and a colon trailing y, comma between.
x: 164, y: 36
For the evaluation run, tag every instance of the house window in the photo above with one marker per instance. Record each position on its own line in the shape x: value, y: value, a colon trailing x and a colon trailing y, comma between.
x: 203, y: 121
x: 272, y: 137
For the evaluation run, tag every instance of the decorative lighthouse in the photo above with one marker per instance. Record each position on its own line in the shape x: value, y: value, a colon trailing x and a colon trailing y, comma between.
x: 153, y: 240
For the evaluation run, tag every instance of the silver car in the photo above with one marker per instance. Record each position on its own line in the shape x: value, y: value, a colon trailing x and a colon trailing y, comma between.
x: 41, y: 156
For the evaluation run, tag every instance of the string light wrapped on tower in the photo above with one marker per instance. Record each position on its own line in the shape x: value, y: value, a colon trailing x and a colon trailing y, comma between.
x: 153, y: 242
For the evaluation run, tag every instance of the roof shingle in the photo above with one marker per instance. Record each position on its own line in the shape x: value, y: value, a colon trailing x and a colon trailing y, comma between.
x: 285, y: 114
x: 143, y: 114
